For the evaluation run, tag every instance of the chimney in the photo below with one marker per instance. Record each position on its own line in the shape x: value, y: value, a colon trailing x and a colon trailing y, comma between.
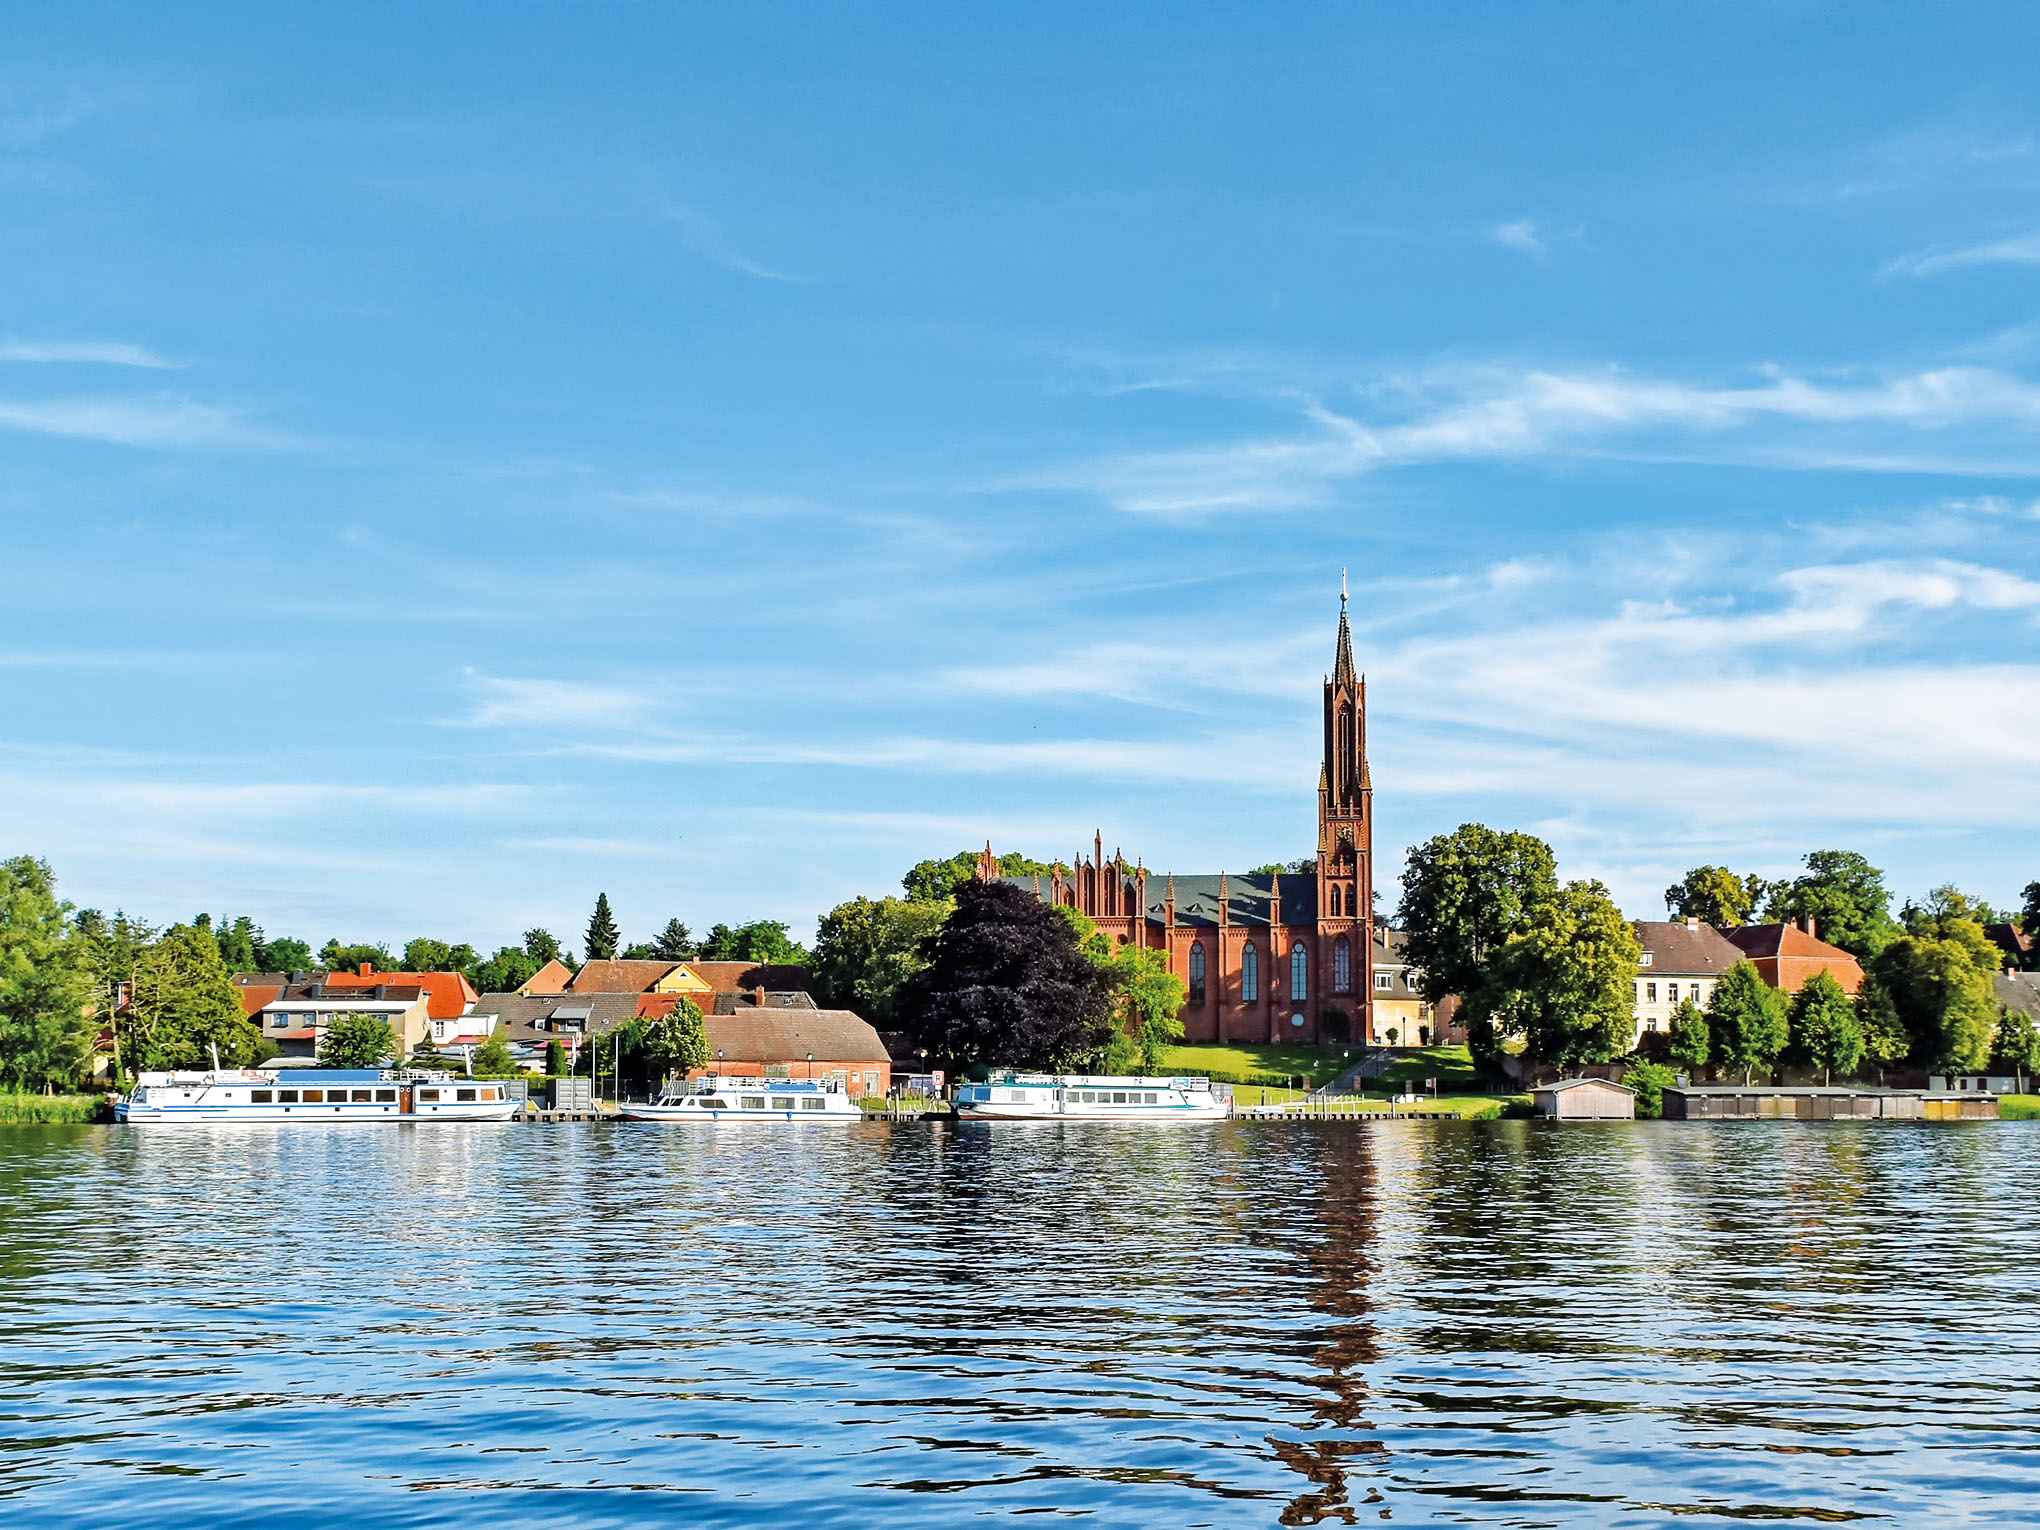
x: 367, y: 968
x: 1810, y: 929
x: 758, y: 997
x: 1692, y: 921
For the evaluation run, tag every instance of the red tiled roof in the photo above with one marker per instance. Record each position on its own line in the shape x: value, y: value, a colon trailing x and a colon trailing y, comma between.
x: 448, y: 995
x: 619, y: 977
x: 254, y: 999
x: 1783, y: 940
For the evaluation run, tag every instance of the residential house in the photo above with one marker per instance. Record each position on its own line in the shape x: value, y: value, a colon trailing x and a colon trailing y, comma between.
x: 299, y: 1015
x: 449, y: 995
x: 1397, y: 1006
x: 1787, y: 955
x: 257, y: 989
x: 798, y: 1041
x: 696, y: 980
x: 2013, y: 941
x: 530, y: 1021
x: 1680, y: 960
x: 553, y: 977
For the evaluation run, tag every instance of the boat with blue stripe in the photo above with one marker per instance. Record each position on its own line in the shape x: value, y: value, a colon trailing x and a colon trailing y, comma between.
x: 323, y: 1096
x: 746, y: 1101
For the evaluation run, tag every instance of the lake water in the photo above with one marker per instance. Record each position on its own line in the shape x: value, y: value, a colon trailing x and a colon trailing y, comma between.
x: 1498, y: 1323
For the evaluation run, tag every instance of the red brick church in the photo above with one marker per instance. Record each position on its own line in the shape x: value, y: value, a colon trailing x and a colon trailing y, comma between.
x: 1267, y: 956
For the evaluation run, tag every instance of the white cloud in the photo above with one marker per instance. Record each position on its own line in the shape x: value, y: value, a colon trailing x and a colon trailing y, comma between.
x: 512, y: 703
x: 1520, y: 235
x: 2016, y: 249
x: 106, y: 352
x: 163, y: 421
x: 706, y: 240
x: 1493, y: 413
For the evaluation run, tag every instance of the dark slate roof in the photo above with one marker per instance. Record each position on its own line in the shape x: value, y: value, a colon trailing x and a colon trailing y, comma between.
x: 1678, y: 951
x: 1248, y: 895
x: 736, y: 1003
x: 733, y: 977
x: 521, y: 1014
x: 2019, y: 991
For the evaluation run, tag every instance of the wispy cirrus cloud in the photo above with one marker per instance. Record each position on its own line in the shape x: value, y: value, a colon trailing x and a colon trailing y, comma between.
x: 2014, y: 249
x: 1498, y: 413
x: 509, y: 702
x: 162, y: 422
x: 703, y: 236
x: 113, y: 353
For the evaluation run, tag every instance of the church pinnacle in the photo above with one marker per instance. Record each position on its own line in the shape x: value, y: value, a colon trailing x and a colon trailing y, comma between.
x: 1342, y: 668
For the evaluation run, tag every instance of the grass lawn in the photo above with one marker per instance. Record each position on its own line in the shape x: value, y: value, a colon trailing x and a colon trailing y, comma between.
x: 2019, y: 1107
x: 1235, y: 1063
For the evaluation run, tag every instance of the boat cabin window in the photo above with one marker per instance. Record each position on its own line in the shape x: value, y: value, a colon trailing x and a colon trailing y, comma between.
x: 315, y: 1096
x: 261, y: 1096
x: 782, y: 1102
x: 428, y: 1094
x: 386, y: 1096
x: 814, y: 1104
x: 1119, y: 1096
x: 363, y: 1096
x: 754, y: 1102
x: 464, y: 1094
x: 287, y: 1096
x: 712, y: 1103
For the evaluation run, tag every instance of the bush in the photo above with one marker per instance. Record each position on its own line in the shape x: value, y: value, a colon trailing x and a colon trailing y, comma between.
x: 1650, y: 1081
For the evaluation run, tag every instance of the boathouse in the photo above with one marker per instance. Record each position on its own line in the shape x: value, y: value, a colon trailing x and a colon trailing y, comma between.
x: 1585, y: 1099
x: 1771, y: 1102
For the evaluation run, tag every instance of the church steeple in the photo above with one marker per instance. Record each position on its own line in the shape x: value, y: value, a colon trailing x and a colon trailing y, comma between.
x: 1342, y: 666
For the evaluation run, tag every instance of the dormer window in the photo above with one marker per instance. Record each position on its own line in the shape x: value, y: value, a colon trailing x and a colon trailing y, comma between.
x: 1643, y: 960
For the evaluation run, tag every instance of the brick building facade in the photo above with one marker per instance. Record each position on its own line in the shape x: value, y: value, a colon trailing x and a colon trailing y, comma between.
x: 1268, y: 956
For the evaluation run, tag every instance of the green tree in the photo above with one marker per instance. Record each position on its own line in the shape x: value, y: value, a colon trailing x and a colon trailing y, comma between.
x: 426, y: 1054
x: 427, y: 955
x: 677, y: 1042
x: 675, y: 943
x: 1746, y: 1021
x: 1650, y: 1081
x: 764, y: 941
x: 507, y: 971
x: 357, y: 1041
x: 1945, y: 905
x: 2018, y: 1043
x: 185, y: 1006
x: 1007, y: 982
x: 1302, y: 866
x: 1565, y: 981
x: 240, y: 943
x: 603, y: 936
x: 1885, y: 1038
x: 1689, y: 1037
x: 1844, y: 894
x: 1151, y: 1003
x: 1712, y: 895
x: 937, y: 881
x: 866, y: 948
x: 1827, y: 1028
x: 1940, y: 986
x: 335, y: 957
x: 45, y: 987
x: 492, y: 1057
x: 1464, y: 895
x: 555, y: 1060
x: 286, y: 955
x: 113, y: 951
x: 543, y: 946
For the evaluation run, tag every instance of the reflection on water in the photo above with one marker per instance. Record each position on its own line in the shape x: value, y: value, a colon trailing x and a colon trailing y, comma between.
x: 1494, y: 1323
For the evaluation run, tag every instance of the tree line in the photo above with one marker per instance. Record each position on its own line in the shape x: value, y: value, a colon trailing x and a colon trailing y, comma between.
x: 1549, y: 969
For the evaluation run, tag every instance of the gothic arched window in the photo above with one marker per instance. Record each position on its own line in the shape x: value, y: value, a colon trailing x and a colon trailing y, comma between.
x: 1299, y: 973
x: 1250, y: 974
x: 1342, y: 965
x: 1197, y: 973
x: 1336, y: 905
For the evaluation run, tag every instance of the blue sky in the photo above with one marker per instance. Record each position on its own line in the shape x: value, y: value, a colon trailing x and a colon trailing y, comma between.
x: 455, y: 460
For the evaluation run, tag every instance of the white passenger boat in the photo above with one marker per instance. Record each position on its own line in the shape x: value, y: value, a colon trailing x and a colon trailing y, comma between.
x: 747, y: 1099
x: 1085, y: 1097
x: 332, y: 1096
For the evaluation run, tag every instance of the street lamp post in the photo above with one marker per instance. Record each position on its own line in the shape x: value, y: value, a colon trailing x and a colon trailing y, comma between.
x: 811, y: 1067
